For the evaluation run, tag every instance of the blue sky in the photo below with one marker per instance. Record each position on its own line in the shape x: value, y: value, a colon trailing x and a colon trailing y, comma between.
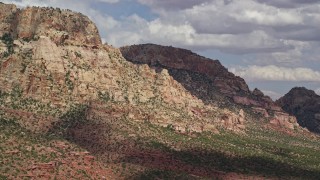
x: 273, y: 45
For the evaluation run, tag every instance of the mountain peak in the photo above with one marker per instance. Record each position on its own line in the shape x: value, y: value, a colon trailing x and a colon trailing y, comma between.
x: 302, y: 91
x: 305, y: 105
x: 62, y: 26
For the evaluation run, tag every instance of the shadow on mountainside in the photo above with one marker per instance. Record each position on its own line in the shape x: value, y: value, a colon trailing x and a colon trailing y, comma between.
x: 162, y: 161
x: 202, y: 163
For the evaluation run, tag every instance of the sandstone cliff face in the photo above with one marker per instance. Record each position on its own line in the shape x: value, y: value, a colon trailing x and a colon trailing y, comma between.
x: 57, y: 59
x: 305, y: 105
x: 61, y: 26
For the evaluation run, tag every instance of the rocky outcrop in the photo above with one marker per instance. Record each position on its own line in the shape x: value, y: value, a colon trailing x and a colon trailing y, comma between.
x: 305, y: 105
x: 284, y: 120
x: 61, y: 26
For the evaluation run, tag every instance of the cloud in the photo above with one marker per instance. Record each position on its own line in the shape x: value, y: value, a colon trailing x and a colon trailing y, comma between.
x: 25, y: 3
x: 109, y: 1
x: 317, y: 91
x: 237, y: 27
x: 216, y: 18
x: 55, y: 3
x: 274, y: 95
x: 274, y: 73
x: 172, y: 5
x: 288, y: 3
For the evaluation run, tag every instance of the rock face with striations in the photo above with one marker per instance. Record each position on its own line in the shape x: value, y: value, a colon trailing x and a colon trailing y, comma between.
x: 305, y: 105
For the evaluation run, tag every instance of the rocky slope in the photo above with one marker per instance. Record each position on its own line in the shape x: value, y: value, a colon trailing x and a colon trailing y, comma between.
x: 305, y: 105
x: 208, y: 80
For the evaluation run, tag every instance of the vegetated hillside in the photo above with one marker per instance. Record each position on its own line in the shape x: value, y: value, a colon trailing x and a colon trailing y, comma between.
x: 73, y: 108
x: 305, y: 105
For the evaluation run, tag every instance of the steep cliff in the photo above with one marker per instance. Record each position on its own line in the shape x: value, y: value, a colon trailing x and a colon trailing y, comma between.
x: 305, y: 105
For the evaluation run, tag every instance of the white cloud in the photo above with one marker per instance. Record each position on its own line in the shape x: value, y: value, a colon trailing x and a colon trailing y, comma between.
x: 183, y: 34
x: 248, y: 26
x: 231, y: 26
x: 317, y: 91
x: 288, y: 3
x: 272, y: 17
x: 274, y: 95
x: 109, y: 1
x: 172, y: 4
x: 274, y: 73
x: 25, y: 3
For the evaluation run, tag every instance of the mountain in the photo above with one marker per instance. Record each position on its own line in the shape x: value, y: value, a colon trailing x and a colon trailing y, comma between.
x: 208, y: 80
x: 305, y: 105
x: 72, y: 107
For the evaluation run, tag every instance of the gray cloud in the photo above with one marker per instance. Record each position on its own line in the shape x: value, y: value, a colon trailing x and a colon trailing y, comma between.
x: 274, y: 95
x: 275, y: 73
x: 172, y: 4
x: 288, y: 3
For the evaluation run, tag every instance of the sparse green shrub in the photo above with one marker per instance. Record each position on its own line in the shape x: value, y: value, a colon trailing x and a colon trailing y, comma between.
x: 68, y: 81
x: 78, y: 54
x: 24, y: 67
x: 8, y: 40
x: 16, y: 92
x: 105, y: 97
x: 170, y: 127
